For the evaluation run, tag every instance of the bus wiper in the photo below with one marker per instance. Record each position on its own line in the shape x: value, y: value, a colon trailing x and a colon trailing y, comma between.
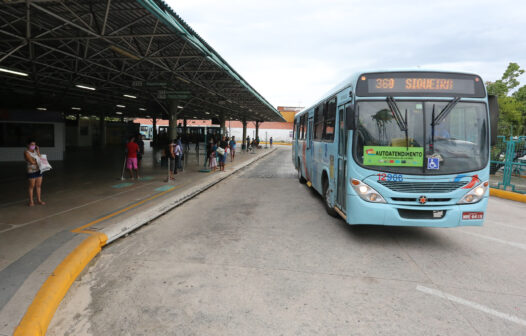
x: 396, y: 114
x: 445, y: 111
x: 400, y: 120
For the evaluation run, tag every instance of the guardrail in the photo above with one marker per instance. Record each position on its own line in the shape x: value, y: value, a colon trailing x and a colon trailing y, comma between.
x: 509, y: 157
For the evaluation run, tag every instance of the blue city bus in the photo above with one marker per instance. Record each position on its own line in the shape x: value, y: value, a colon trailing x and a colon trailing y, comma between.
x: 403, y: 148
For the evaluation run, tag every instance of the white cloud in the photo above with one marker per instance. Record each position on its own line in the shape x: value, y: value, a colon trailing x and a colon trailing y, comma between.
x: 293, y: 51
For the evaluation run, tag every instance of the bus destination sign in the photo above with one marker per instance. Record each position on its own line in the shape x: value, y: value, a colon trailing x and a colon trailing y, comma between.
x: 418, y: 84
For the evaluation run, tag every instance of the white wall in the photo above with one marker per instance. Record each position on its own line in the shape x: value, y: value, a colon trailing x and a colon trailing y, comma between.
x: 53, y: 153
x: 276, y: 134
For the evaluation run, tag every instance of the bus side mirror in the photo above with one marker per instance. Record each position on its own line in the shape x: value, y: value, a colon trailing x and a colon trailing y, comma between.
x: 493, y: 117
x: 350, y: 117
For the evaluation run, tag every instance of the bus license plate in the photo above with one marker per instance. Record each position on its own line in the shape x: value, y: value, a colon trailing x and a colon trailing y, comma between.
x: 472, y: 215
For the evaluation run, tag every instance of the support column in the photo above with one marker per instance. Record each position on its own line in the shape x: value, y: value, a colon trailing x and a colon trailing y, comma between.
x: 154, y: 134
x: 172, y: 121
x: 244, y: 140
x: 222, y: 125
x: 185, y: 130
x: 257, y: 129
x: 102, y: 129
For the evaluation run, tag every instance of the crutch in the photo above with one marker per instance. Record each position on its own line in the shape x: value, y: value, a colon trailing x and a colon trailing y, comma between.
x: 124, y: 166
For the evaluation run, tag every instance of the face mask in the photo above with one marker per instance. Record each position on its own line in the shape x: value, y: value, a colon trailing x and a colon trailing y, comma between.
x: 32, y: 147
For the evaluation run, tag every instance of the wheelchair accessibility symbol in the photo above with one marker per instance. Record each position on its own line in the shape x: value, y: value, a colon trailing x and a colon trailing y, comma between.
x: 433, y: 163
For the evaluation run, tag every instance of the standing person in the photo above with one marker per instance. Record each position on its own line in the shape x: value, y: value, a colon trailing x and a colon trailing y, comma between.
x: 270, y: 142
x: 208, y: 151
x: 222, y: 158
x: 34, y: 176
x: 131, y: 157
x: 176, y: 155
x: 180, y: 160
x: 171, y: 155
x: 232, y: 145
x: 140, y: 153
x: 212, y: 156
x: 248, y: 142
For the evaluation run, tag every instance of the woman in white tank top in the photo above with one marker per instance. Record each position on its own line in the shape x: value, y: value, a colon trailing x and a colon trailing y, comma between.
x: 34, y: 176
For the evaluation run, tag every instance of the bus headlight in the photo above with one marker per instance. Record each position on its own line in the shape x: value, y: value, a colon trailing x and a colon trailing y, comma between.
x: 475, y: 194
x: 366, y: 192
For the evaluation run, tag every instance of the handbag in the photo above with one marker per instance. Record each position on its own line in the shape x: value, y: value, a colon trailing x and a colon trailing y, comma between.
x: 43, y: 163
x: 220, y: 151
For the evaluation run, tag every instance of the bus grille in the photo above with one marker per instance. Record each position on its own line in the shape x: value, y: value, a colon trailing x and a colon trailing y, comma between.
x: 422, y: 187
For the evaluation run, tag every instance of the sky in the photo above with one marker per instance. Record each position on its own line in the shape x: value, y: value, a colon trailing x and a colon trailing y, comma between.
x: 293, y: 52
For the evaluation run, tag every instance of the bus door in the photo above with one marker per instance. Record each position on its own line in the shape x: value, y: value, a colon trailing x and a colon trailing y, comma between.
x: 342, y: 158
x: 308, y: 153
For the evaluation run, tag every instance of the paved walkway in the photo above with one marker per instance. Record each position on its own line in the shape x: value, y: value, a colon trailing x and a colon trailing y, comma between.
x: 85, y: 190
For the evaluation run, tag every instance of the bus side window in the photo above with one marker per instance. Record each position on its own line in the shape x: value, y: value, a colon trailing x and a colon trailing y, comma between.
x: 319, y: 121
x: 330, y: 119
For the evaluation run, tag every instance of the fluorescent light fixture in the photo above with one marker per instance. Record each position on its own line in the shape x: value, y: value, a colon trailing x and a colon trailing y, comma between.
x: 179, y: 107
x: 85, y: 87
x: 142, y: 109
x: 148, y: 117
x: 122, y: 106
x: 76, y: 108
x: 118, y: 112
x: 129, y: 96
x: 207, y: 112
x: 41, y: 108
x: 18, y: 73
x: 195, y: 117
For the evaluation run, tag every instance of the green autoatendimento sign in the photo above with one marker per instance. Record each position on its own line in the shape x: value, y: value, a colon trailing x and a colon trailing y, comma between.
x: 393, y: 156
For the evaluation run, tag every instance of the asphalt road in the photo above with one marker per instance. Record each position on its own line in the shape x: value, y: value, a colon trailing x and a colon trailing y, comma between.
x: 257, y: 255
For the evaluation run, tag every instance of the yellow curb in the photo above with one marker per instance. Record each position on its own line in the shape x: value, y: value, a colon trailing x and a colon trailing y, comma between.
x: 41, y: 311
x: 508, y: 195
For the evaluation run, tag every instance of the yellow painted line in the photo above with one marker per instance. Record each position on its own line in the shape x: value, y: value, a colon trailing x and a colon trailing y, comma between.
x: 118, y: 212
x: 508, y: 195
x: 39, y: 314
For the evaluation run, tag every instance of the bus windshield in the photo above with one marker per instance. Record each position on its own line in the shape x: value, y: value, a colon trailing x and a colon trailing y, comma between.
x: 408, y: 141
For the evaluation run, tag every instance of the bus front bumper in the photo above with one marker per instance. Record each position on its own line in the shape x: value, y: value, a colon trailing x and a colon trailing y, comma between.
x: 362, y: 212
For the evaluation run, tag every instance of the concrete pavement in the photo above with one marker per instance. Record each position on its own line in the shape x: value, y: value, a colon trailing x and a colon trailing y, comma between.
x: 262, y: 257
x: 80, y: 194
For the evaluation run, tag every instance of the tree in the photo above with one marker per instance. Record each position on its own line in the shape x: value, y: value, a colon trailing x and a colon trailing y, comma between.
x: 512, y: 114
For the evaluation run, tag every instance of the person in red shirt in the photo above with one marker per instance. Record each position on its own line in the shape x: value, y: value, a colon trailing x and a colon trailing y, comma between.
x: 131, y: 162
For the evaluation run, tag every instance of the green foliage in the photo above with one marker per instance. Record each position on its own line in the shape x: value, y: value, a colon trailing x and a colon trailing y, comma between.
x: 512, y: 114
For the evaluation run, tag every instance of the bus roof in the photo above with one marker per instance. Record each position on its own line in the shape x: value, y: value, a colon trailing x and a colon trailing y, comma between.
x: 351, y: 80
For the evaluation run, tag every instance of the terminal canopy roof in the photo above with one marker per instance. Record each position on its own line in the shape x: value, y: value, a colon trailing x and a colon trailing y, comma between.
x: 102, y: 55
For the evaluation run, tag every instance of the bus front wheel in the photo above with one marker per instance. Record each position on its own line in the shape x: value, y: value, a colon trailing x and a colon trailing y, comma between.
x: 327, y: 199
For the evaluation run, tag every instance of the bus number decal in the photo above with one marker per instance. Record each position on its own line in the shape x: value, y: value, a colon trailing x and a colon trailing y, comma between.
x: 390, y: 177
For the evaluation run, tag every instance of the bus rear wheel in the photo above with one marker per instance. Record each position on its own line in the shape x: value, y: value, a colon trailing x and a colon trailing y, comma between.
x: 327, y: 199
x: 301, y: 179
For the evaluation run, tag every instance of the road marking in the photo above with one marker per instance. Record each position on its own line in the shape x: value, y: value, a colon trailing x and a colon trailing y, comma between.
x: 122, y: 185
x: 502, y: 241
x: 164, y: 188
x: 470, y: 304
x: 80, y: 229
x: 512, y: 226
